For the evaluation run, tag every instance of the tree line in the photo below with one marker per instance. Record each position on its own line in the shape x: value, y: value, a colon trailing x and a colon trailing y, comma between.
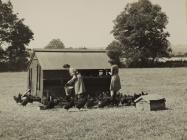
x: 139, y: 31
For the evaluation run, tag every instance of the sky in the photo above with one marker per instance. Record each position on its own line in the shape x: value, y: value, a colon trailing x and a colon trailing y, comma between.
x: 88, y: 23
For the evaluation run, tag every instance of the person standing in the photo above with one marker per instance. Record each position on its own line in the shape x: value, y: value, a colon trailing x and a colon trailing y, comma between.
x: 77, y: 81
x: 115, y: 84
x: 79, y: 87
x: 68, y: 88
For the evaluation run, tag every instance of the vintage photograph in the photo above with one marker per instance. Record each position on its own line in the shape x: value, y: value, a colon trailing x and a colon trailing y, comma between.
x: 93, y: 69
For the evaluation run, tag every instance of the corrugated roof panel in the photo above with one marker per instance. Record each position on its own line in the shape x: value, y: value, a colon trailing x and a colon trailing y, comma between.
x: 78, y: 60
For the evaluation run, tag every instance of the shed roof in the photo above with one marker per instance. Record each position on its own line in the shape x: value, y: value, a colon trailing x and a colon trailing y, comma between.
x: 54, y: 59
x: 149, y: 97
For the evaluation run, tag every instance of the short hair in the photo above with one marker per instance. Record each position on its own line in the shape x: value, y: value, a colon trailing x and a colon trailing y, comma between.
x: 66, y: 66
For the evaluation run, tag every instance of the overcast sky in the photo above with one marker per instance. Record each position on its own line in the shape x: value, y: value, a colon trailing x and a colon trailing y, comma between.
x: 88, y: 23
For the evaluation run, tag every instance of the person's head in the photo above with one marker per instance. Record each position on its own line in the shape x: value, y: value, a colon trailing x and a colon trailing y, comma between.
x: 114, y: 69
x: 73, y: 71
x: 66, y: 66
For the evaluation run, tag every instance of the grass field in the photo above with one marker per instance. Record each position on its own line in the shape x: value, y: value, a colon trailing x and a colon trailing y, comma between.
x: 17, y: 122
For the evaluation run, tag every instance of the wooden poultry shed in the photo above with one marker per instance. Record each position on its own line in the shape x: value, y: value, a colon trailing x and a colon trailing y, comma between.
x: 46, y: 75
x: 150, y: 102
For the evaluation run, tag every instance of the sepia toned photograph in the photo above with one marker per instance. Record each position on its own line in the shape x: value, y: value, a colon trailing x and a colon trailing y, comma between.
x: 93, y: 69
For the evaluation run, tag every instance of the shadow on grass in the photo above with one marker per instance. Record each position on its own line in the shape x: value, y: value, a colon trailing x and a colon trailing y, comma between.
x: 165, y: 109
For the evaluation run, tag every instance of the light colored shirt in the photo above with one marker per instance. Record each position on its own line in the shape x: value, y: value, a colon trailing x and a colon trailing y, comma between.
x: 79, y: 86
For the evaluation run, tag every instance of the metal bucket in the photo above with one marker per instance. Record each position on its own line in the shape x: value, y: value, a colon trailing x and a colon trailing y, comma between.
x: 69, y: 90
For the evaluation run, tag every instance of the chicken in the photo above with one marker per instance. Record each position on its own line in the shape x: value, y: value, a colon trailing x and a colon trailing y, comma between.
x: 81, y: 102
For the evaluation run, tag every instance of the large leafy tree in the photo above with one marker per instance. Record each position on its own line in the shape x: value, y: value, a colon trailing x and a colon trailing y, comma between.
x: 2, y: 55
x: 14, y: 35
x: 114, y: 50
x: 141, y: 30
x: 55, y: 44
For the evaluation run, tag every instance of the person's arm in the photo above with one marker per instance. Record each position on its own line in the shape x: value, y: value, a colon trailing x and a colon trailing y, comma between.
x: 72, y: 80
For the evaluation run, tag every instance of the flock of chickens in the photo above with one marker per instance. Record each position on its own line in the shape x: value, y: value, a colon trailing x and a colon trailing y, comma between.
x: 101, y: 101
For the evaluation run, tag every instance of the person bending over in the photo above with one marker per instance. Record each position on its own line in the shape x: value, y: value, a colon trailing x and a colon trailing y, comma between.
x: 79, y: 87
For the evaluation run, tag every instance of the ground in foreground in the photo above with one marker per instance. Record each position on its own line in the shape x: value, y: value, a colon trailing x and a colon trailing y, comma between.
x: 17, y: 122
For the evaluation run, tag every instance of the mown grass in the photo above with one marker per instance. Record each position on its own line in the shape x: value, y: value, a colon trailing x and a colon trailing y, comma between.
x: 17, y: 122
